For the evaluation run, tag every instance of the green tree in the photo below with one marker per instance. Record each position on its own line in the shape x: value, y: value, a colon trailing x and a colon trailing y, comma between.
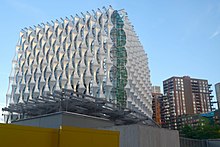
x: 203, y: 130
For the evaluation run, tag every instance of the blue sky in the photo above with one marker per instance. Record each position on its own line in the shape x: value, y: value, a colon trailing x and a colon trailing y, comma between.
x: 181, y: 37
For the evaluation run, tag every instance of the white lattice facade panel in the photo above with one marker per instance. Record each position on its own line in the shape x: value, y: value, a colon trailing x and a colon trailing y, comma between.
x: 98, y: 54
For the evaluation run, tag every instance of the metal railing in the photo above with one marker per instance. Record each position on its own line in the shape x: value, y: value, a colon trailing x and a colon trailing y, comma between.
x: 187, y: 142
x: 71, y: 101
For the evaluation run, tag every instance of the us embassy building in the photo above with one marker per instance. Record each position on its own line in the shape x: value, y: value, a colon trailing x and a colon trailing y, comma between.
x: 80, y: 64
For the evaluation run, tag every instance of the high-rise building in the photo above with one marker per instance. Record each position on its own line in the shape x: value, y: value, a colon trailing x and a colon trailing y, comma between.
x: 156, y: 89
x: 156, y: 104
x: 165, y: 111
x: 98, y: 54
x: 217, y: 90
x: 186, y: 96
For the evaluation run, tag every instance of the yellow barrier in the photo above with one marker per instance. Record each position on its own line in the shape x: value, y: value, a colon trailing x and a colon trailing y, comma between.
x: 88, y: 137
x: 24, y: 136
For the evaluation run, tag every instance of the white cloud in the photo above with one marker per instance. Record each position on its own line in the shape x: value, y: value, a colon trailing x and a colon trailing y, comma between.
x: 216, y: 33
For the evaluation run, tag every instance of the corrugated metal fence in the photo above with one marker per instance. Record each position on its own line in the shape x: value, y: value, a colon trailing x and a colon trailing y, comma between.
x: 186, y: 142
x: 213, y: 143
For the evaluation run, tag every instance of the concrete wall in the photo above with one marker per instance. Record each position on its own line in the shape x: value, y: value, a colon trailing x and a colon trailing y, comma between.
x: 85, y: 121
x: 55, y: 120
x: 158, y: 137
x: 144, y: 136
x: 44, y: 121
x: 130, y: 135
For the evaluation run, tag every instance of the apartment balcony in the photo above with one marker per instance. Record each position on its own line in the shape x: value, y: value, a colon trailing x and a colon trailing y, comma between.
x: 170, y: 82
x: 198, y: 103
x: 173, y: 118
x: 195, y: 90
x: 198, y: 100
x: 165, y: 86
x: 171, y: 102
x: 172, y: 114
x: 211, y: 97
x: 197, y: 96
x: 194, y: 84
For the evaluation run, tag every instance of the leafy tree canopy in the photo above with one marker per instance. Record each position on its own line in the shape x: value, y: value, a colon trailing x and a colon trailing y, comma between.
x: 205, y: 129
